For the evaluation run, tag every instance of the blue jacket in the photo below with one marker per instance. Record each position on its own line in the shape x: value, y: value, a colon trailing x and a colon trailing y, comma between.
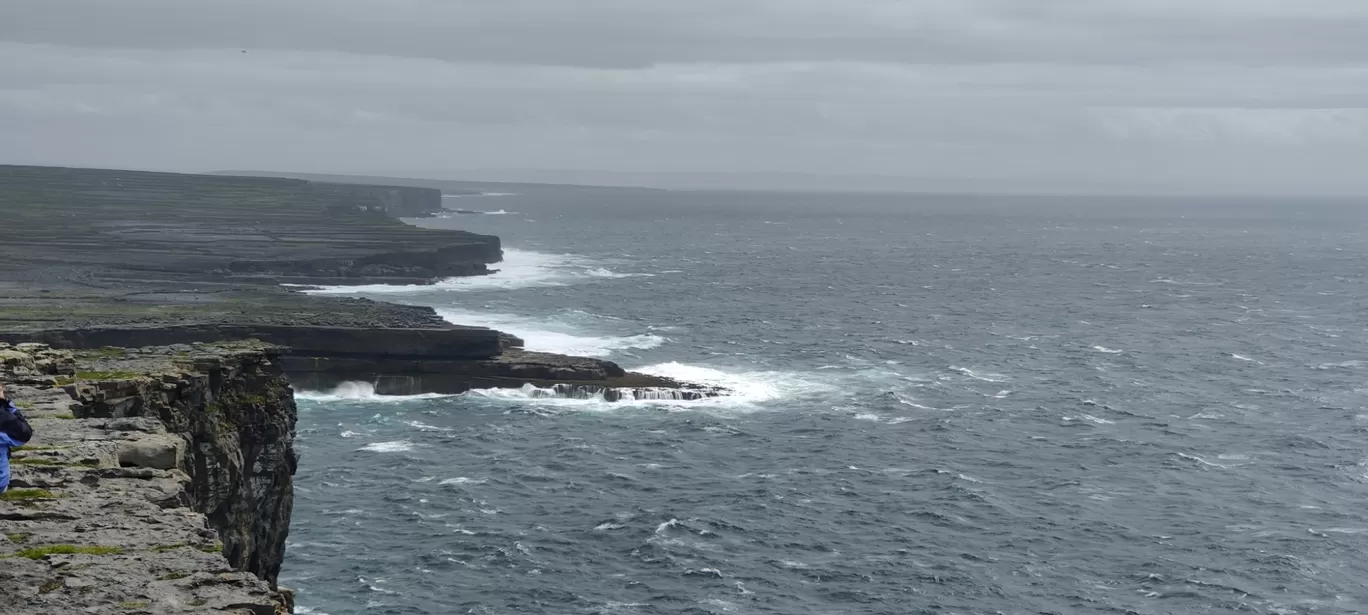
x: 7, y: 442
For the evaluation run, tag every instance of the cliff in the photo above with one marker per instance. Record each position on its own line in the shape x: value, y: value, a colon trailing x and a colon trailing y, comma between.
x: 393, y: 201
x: 97, y: 257
x: 120, y: 226
x: 159, y: 481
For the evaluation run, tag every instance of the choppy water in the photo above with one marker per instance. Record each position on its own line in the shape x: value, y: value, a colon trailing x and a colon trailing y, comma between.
x: 944, y: 406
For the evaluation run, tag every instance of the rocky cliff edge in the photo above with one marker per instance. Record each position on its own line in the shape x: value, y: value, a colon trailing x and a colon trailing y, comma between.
x: 159, y: 480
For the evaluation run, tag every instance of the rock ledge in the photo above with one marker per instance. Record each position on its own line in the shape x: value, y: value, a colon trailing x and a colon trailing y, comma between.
x: 158, y: 481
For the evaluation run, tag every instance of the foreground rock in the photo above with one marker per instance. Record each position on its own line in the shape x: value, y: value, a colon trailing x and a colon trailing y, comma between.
x: 158, y: 481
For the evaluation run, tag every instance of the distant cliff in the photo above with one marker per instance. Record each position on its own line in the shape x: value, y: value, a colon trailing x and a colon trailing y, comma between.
x: 100, y: 227
x: 394, y: 201
x: 159, y: 481
x: 103, y: 257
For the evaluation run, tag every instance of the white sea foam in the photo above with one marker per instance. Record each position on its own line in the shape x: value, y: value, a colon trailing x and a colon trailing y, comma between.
x: 519, y: 269
x: 421, y: 426
x: 1343, y: 365
x: 747, y: 389
x: 360, y: 391
x: 985, y: 376
x: 1244, y: 358
x: 476, y: 196
x: 399, y: 446
x: 1107, y: 350
x: 553, y: 334
x: 1201, y: 461
x: 464, y: 480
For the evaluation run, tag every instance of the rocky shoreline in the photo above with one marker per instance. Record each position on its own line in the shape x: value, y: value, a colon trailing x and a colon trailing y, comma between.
x: 100, y: 258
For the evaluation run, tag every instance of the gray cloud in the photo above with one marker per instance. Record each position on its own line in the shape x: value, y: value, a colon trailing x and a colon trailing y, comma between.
x: 1133, y: 95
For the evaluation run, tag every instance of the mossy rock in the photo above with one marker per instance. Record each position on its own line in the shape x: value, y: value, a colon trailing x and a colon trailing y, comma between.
x: 44, y: 551
x: 27, y: 495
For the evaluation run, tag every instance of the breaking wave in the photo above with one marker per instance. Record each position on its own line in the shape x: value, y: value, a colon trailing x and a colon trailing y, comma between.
x: 357, y: 391
x: 519, y: 269
x: 476, y: 196
x: 452, y: 213
x: 557, y: 335
x: 745, y: 389
x: 401, y: 446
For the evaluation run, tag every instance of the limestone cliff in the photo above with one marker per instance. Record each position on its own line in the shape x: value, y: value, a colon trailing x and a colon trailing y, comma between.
x: 159, y: 480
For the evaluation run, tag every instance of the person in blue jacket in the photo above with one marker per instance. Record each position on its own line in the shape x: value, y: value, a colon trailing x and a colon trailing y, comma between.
x: 14, y: 432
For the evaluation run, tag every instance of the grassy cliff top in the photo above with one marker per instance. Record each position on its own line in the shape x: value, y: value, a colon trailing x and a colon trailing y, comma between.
x: 93, y: 246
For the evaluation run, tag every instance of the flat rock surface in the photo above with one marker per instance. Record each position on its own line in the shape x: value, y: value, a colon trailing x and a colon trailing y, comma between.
x: 97, y: 519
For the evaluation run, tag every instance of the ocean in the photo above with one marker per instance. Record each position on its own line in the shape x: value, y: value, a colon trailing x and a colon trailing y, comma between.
x: 942, y: 405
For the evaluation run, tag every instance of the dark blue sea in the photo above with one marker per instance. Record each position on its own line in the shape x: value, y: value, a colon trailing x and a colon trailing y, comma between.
x: 941, y: 405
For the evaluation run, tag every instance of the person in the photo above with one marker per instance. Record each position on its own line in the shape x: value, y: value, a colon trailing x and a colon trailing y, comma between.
x: 14, y: 432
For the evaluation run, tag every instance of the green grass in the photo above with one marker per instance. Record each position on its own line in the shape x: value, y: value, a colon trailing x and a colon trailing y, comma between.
x: 108, y: 352
x: 165, y: 548
x: 41, y: 552
x: 50, y: 586
x: 34, y: 461
x: 172, y: 576
x: 25, y: 495
x: 133, y: 605
x: 17, y: 537
x: 30, y: 448
x: 108, y: 375
x: 65, y: 417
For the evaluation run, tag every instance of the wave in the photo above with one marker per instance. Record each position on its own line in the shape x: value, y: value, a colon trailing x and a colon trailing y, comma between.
x: 476, y: 196
x: 747, y: 389
x: 985, y: 377
x: 452, y: 213
x: 359, y: 391
x: 1107, y: 350
x: 561, y: 334
x: 1343, y: 365
x: 399, y: 446
x: 519, y: 269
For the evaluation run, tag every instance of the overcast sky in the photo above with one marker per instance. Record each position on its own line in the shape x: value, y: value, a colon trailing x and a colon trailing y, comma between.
x: 1243, y: 96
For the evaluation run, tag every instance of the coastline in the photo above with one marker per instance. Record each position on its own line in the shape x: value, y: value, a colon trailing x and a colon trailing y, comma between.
x: 147, y: 326
x: 129, y: 259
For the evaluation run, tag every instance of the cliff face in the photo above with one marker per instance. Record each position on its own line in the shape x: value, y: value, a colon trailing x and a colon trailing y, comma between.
x: 158, y: 477
x: 393, y: 201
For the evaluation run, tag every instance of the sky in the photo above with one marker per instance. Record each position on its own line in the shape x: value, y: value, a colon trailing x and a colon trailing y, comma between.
x: 1126, y: 96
